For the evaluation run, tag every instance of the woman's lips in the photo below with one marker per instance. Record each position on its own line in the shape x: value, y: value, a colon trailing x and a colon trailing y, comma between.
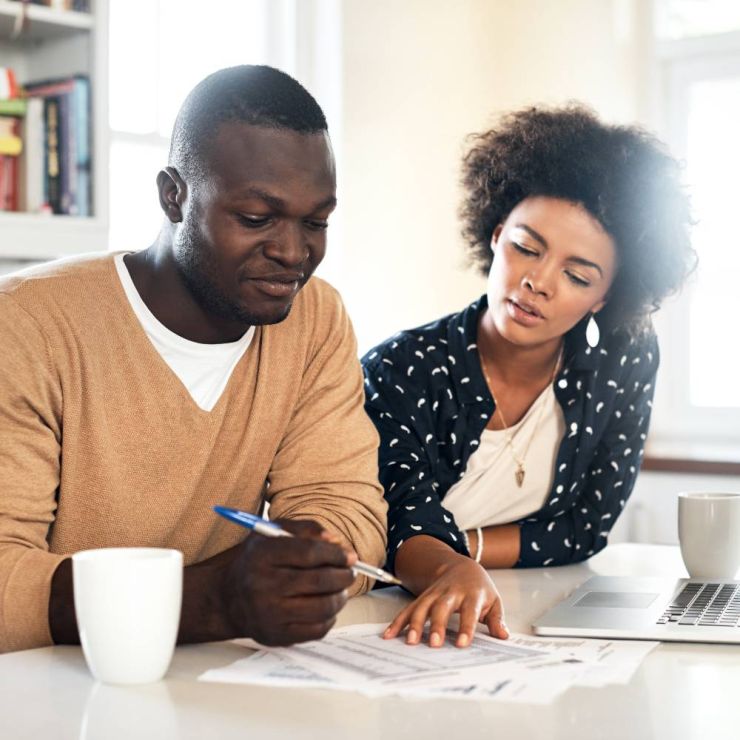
x: 521, y: 315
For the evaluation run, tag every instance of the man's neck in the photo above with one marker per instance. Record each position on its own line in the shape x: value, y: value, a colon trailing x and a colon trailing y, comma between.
x: 162, y: 288
x: 511, y: 363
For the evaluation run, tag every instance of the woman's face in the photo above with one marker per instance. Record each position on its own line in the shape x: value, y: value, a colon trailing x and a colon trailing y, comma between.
x: 553, y: 264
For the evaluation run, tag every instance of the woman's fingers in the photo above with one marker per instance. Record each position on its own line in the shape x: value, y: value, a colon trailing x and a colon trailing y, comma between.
x: 442, y: 610
x: 469, y: 615
x: 495, y: 620
x: 399, y: 622
x: 418, y: 618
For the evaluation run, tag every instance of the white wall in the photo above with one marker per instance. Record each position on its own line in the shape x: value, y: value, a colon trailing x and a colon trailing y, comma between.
x: 419, y: 75
x: 651, y: 514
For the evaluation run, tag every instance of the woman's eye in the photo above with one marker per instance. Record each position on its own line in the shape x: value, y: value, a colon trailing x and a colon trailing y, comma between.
x: 253, y: 222
x: 577, y: 280
x: 524, y: 250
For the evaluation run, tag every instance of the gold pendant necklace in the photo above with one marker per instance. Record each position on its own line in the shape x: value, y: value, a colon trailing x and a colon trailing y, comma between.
x: 520, y: 471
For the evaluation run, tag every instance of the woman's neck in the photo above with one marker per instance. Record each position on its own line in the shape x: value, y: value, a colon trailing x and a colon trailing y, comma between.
x: 514, y: 363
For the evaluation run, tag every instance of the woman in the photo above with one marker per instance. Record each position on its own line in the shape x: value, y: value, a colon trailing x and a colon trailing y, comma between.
x: 512, y: 432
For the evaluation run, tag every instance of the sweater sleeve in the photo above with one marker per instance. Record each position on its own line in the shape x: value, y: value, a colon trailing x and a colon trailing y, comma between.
x: 579, y: 533
x: 326, y: 467
x: 402, y: 415
x: 30, y: 443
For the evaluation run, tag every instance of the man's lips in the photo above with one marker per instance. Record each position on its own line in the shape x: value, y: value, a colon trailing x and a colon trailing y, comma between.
x: 280, y: 285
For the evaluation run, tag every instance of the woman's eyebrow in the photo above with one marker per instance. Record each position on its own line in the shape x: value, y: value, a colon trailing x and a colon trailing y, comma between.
x: 586, y: 263
x: 541, y: 239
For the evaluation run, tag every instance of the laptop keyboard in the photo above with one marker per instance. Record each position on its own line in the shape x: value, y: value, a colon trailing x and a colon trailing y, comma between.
x: 705, y: 604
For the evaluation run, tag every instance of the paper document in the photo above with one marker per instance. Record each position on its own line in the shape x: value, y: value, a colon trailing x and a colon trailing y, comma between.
x: 357, y: 658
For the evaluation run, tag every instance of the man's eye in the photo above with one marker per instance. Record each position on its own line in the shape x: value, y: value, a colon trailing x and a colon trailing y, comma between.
x: 524, y: 250
x: 317, y: 224
x: 253, y: 222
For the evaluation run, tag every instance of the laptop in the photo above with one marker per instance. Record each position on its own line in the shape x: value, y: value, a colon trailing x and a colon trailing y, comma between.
x: 679, y: 610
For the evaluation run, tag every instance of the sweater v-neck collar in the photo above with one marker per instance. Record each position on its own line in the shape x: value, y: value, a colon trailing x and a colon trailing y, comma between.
x: 152, y: 355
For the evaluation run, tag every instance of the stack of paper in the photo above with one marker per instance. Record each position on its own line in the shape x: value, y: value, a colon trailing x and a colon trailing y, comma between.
x: 522, y: 668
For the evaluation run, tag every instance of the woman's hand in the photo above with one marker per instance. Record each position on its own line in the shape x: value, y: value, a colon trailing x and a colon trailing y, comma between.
x: 462, y: 586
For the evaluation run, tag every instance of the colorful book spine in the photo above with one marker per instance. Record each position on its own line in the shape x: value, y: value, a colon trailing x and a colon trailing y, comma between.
x: 31, y: 170
x: 13, y: 107
x: 52, y: 160
x: 67, y: 155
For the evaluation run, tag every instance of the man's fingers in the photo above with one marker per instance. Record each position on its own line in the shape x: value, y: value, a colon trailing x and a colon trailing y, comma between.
x: 301, y: 552
x: 306, y: 610
x: 313, y: 581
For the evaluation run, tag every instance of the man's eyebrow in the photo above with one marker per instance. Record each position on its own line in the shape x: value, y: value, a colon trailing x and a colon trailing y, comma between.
x: 279, y: 203
x: 541, y: 239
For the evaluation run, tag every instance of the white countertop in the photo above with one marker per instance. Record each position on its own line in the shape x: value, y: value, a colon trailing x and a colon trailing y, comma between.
x: 679, y: 691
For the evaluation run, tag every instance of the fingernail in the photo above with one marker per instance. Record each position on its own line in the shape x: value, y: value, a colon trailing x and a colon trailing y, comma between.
x: 505, y: 629
x: 463, y: 640
x: 435, y: 640
x: 387, y: 632
x: 411, y: 636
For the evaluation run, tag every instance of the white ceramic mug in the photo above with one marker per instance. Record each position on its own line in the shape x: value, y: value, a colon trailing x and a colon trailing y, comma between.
x: 709, y: 533
x: 127, y: 601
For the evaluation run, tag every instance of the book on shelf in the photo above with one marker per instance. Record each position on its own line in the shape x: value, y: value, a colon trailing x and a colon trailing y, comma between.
x: 13, y: 107
x: 45, y: 148
x: 11, y: 146
x: 65, y: 145
x: 11, y: 143
x: 8, y: 83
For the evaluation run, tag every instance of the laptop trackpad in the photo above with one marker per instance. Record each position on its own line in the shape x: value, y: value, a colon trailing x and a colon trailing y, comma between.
x: 617, y: 599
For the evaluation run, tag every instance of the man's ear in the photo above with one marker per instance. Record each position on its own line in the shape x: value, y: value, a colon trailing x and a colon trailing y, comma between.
x: 172, y: 191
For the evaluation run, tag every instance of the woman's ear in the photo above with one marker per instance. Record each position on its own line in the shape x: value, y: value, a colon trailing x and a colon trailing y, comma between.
x: 595, y: 309
x: 495, y: 237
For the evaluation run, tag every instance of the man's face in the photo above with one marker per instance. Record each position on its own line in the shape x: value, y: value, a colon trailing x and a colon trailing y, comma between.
x: 254, y: 228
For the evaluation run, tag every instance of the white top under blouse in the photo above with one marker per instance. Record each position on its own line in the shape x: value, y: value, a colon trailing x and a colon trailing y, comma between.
x: 204, y: 369
x: 487, y: 494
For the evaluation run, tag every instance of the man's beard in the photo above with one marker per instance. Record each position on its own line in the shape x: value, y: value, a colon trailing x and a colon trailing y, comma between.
x: 195, y: 265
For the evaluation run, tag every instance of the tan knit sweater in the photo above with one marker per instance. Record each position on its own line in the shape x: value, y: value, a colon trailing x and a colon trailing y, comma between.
x: 101, y: 445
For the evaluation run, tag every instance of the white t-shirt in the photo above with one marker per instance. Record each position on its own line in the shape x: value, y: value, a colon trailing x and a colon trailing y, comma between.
x: 487, y: 494
x: 204, y: 369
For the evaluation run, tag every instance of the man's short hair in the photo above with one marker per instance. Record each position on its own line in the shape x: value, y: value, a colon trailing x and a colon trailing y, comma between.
x: 254, y: 94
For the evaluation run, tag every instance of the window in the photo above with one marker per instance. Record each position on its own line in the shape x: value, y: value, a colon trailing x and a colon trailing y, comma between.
x: 700, y: 63
x: 159, y: 49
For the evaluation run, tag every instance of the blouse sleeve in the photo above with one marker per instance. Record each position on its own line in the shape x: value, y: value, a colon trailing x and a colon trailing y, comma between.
x: 580, y: 532
x: 402, y: 414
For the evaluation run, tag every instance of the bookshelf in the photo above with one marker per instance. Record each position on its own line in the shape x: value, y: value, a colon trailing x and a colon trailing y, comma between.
x: 60, y: 43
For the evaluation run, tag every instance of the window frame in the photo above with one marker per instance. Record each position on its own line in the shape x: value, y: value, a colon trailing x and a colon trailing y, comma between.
x: 682, y: 62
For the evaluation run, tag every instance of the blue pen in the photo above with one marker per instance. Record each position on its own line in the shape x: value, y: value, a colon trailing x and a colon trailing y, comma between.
x: 270, y: 529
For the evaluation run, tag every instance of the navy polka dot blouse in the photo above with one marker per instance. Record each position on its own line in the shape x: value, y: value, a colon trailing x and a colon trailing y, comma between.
x: 427, y: 396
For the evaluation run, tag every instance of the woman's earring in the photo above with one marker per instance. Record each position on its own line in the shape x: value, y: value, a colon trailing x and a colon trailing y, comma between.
x: 592, y: 332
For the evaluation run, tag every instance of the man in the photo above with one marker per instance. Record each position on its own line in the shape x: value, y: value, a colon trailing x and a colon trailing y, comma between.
x: 138, y: 390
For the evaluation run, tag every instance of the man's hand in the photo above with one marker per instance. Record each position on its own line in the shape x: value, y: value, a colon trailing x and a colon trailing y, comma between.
x: 284, y: 590
x: 278, y: 590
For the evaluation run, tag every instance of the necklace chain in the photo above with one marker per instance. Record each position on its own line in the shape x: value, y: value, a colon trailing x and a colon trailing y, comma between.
x: 520, y: 471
